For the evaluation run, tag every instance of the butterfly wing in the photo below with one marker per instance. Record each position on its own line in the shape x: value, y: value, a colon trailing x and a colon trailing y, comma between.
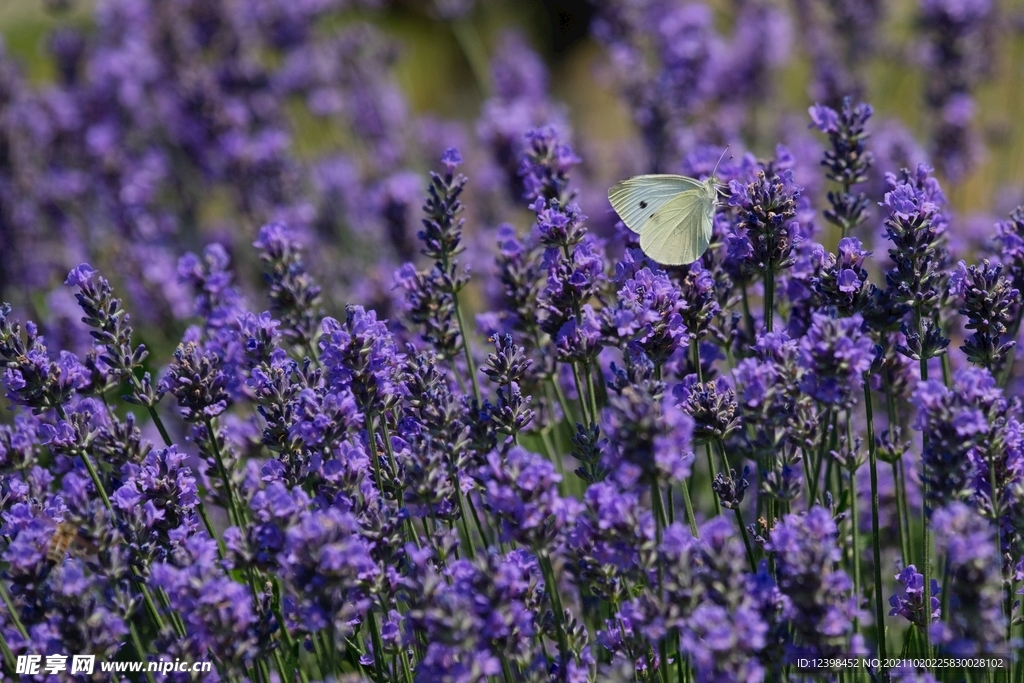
x: 638, y: 199
x: 680, y: 231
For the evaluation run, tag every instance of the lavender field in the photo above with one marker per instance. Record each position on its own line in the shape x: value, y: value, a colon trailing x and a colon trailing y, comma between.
x: 326, y: 359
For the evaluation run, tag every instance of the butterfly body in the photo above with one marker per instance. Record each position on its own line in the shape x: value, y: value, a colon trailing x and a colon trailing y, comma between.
x: 673, y: 214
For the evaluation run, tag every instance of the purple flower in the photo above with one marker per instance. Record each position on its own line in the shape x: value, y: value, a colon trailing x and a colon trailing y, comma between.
x: 712, y: 405
x: 361, y: 356
x: 477, y: 614
x: 765, y: 234
x: 725, y: 633
x: 545, y: 166
x: 294, y: 296
x: 975, y: 623
x: 989, y: 301
x: 580, y: 341
x: 959, y: 426
x: 605, y: 537
x: 571, y: 282
x: 197, y: 380
x: 650, y: 436
x: 521, y: 490
x: 79, y: 275
x: 848, y: 161
x: 648, y: 315
x: 911, y: 607
x: 329, y: 570
x: 824, y: 118
x: 31, y: 378
x: 218, y: 612
x: 957, y: 59
x: 916, y: 226
x: 159, y: 499
x: 697, y: 290
x: 452, y: 159
x: 821, y: 608
x: 835, y: 354
x: 843, y: 280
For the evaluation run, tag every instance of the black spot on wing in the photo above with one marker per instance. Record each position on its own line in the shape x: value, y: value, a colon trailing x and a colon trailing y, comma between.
x: 643, y: 205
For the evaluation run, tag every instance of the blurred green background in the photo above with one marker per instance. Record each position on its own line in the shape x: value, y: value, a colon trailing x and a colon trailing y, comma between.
x: 435, y: 68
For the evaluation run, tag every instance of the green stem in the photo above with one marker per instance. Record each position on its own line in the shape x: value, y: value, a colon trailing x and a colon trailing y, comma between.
x: 221, y: 548
x: 9, y: 663
x: 689, y: 508
x: 857, y: 582
x: 137, y: 644
x: 663, y: 660
x: 97, y: 483
x: 925, y: 531
x: 470, y: 365
x: 595, y: 414
x: 372, y: 439
x: 1007, y: 370
x: 584, y: 406
x: 812, y: 496
x: 286, y: 635
x: 747, y: 314
x: 15, y: 619
x: 875, y: 533
x: 160, y: 426
x: 465, y: 526
x: 506, y: 670
x: 996, y: 514
x: 658, y: 507
x: 378, y: 648
x: 473, y: 50
x: 556, y: 606
x: 707, y: 447
x: 562, y: 400
x: 222, y: 469
x: 714, y: 474
x: 769, y: 299
x: 746, y: 539
x: 902, y: 510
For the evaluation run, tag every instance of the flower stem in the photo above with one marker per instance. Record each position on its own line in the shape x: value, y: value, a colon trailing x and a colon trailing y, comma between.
x: 925, y: 531
x: 1007, y: 370
x: 746, y: 539
x: 689, y: 508
x: 591, y: 392
x: 9, y: 659
x: 160, y: 426
x: 707, y: 447
x: 12, y: 612
x: 229, y: 494
x: 556, y: 605
x: 470, y: 365
x: 378, y: 648
x: 137, y: 644
x: 813, y: 495
x: 584, y: 405
x: 747, y: 314
x: 855, y: 523
x: 875, y: 533
x: 465, y: 524
x: 473, y: 50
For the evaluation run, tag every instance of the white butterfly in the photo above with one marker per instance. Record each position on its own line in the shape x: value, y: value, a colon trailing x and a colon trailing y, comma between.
x: 673, y: 214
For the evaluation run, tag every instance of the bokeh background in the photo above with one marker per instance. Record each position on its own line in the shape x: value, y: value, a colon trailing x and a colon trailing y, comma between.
x: 135, y: 131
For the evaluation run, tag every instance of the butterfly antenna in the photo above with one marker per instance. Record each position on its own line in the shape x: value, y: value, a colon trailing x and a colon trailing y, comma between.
x: 720, y: 160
